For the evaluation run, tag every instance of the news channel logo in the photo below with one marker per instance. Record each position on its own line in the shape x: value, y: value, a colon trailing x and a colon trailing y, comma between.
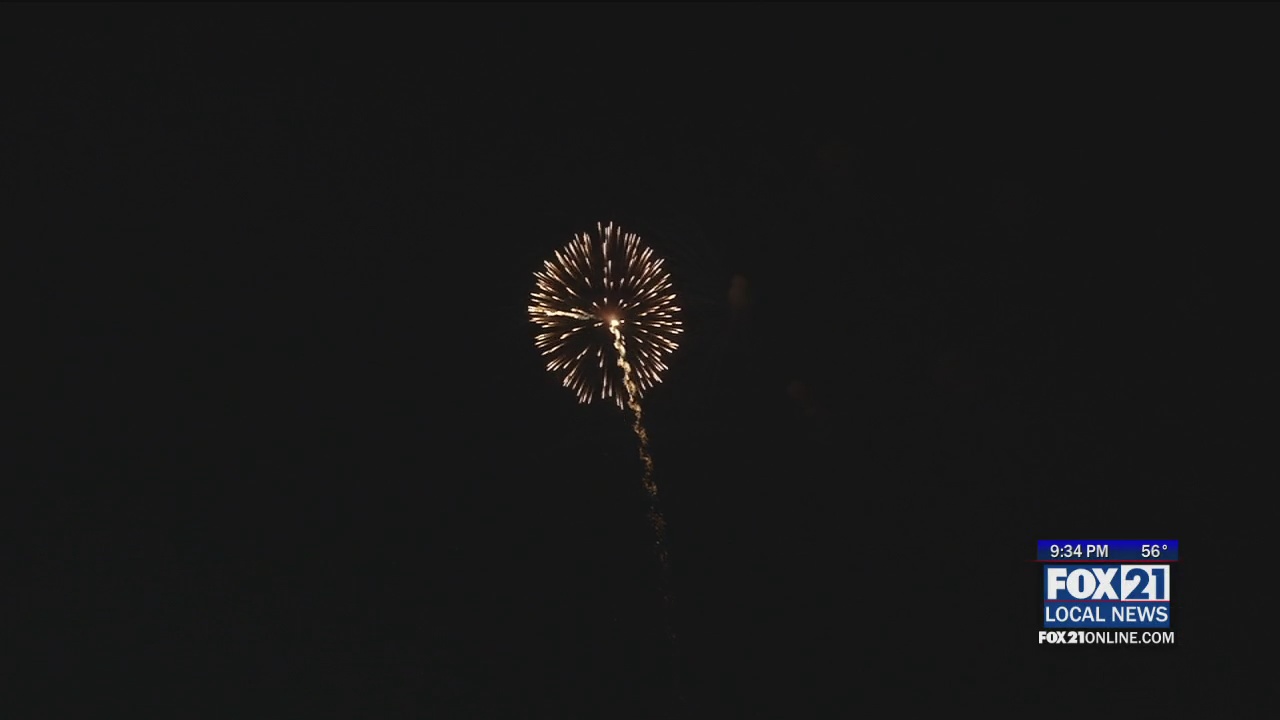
x: 1118, y: 587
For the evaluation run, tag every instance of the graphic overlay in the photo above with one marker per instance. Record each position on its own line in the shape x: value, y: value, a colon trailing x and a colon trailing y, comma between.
x: 1107, y: 592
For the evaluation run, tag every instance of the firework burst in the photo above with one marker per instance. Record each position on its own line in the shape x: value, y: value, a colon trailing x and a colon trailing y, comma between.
x: 607, y: 317
x: 595, y: 288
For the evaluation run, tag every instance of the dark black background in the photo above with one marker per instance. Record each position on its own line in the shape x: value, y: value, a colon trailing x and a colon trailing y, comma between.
x: 292, y: 451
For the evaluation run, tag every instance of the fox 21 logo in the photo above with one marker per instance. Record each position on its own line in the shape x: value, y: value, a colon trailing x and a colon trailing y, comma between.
x: 1107, y: 596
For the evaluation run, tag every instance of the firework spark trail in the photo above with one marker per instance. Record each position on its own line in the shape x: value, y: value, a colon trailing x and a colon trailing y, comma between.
x: 568, y: 314
x: 655, y: 512
x: 633, y: 403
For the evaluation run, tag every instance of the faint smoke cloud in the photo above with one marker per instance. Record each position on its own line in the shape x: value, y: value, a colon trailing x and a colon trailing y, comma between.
x: 738, y: 300
x: 837, y: 156
x: 800, y: 396
x: 955, y: 370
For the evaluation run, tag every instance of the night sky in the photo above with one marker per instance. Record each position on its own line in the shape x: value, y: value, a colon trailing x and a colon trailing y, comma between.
x: 955, y: 279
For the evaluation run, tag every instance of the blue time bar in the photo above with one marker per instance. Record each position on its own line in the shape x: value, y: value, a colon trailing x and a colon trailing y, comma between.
x: 1100, y: 551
